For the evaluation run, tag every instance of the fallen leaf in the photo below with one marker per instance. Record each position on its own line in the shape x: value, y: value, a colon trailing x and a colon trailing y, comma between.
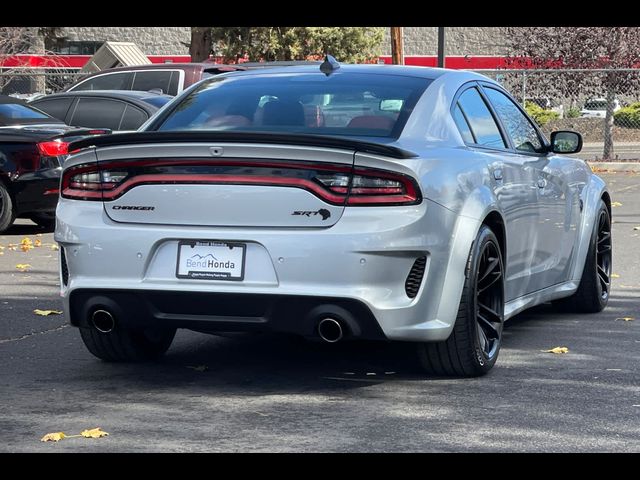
x: 626, y: 319
x: 26, y: 247
x: 53, y: 437
x: 38, y: 243
x: 636, y: 228
x: 198, y: 368
x: 615, y: 275
x: 93, y: 433
x: 557, y: 350
x: 55, y: 247
x: 26, y: 241
x: 44, y: 313
x: 23, y: 267
x: 12, y: 247
x: 616, y: 204
x: 1, y: 248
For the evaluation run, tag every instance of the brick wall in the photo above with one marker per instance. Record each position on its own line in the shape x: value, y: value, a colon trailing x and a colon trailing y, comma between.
x: 151, y: 40
x: 417, y: 40
x: 458, y: 41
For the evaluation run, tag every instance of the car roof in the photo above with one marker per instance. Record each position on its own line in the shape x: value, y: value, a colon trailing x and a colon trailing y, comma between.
x: 8, y: 99
x: 201, y: 66
x: 403, y: 70
x: 119, y: 94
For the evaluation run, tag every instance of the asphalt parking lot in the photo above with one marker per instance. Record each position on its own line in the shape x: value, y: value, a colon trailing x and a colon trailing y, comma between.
x: 269, y: 393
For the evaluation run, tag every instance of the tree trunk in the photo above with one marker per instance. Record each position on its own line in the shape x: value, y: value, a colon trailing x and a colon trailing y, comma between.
x: 200, y: 46
x: 608, y: 124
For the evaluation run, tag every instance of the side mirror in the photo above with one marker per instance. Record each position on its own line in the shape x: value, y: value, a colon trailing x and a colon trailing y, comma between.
x: 565, y: 141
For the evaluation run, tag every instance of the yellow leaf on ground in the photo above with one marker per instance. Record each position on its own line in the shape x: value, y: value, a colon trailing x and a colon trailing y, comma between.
x: 626, y: 319
x: 636, y: 228
x: 616, y: 204
x: 26, y: 241
x: 615, y: 275
x: 53, y: 437
x: 198, y: 368
x: 55, y: 247
x: 1, y: 248
x: 26, y: 247
x: 23, y: 267
x: 93, y: 433
x: 557, y: 350
x: 37, y: 243
x: 44, y: 313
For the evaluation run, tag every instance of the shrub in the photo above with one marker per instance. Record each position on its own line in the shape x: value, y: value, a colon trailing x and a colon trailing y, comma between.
x: 539, y: 114
x: 628, y: 117
x: 573, y: 112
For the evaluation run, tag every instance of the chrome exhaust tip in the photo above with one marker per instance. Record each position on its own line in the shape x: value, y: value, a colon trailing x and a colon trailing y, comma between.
x: 103, y: 321
x: 330, y: 330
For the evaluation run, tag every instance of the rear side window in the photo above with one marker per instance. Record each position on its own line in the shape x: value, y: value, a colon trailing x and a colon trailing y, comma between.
x: 16, y: 113
x: 97, y: 113
x: 56, y: 107
x: 463, y: 125
x: 133, y: 118
x: 108, y: 81
x: 148, y: 80
x: 482, y: 124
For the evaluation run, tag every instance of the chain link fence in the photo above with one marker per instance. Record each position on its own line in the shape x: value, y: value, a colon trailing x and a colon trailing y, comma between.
x: 30, y: 83
x: 603, y: 105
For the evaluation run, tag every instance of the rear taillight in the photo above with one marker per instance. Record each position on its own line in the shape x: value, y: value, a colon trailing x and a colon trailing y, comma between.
x: 53, y: 148
x: 335, y: 184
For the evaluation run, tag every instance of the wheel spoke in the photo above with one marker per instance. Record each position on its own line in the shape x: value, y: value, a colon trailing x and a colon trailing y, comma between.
x: 603, y: 274
x: 495, y: 277
x: 603, y: 236
x: 493, y: 261
x: 492, y: 314
x: 605, y: 249
x: 487, y: 328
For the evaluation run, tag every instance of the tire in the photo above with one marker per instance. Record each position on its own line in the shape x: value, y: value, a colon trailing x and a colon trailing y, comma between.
x: 127, y: 345
x: 7, y: 213
x: 473, y: 346
x: 593, y: 292
x: 44, y: 220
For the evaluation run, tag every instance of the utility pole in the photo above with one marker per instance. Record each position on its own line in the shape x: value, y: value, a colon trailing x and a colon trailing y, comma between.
x: 397, y: 54
x: 441, y: 47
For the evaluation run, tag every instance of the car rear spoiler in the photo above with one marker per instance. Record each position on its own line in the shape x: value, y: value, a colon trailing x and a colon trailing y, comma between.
x: 84, y: 132
x: 244, y: 137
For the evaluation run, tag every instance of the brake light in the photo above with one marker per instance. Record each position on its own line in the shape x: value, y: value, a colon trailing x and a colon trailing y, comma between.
x: 336, y: 184
x: 53, y: 148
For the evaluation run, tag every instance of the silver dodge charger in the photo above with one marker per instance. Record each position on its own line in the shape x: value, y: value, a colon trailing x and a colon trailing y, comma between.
x: 333, y: 202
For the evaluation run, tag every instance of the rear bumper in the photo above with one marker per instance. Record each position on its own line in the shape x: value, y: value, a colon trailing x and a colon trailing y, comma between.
x: 224, y: 312
x: 360, y: 265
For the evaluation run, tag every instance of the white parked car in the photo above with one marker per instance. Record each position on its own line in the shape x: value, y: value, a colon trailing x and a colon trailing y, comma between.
x: 597, y: 108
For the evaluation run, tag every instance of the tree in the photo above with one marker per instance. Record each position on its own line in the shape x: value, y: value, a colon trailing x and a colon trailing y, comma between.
x: 20, y: 40
x: 348, y: 44
x: 200, y: 46
x: 581, y: 48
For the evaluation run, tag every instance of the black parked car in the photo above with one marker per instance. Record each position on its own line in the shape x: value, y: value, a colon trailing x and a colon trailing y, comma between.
x: 33, y: 147
x: 117, y: 110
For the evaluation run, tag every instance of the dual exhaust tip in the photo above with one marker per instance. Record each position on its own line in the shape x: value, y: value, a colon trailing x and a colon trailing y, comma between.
x: 329, y: 329
x: 103, y: 321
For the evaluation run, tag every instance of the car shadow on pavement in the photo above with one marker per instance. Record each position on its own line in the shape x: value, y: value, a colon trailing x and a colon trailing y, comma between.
x: 26, y: 229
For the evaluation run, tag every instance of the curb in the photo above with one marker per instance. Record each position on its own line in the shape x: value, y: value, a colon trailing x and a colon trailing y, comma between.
x: 615, y: 166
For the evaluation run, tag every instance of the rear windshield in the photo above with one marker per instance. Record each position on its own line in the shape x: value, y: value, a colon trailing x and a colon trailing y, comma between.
x: 312, y: 103
x: 16, y: 113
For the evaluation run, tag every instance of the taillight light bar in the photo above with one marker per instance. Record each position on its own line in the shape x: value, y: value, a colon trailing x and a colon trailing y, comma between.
x: 336, y: 184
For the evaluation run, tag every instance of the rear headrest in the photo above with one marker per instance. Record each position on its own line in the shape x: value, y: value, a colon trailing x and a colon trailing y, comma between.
x: 283, y: 112
x: 371, y: 121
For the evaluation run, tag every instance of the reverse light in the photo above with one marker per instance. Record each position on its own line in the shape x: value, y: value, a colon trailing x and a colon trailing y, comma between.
x: 53, y: 148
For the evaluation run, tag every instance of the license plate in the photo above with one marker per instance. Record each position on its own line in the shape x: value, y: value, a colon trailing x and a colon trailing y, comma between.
x: 210, y: 260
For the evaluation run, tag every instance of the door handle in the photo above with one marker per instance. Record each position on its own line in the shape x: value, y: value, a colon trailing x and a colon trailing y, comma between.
x: 542, y: 183
x: 497, y: 174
